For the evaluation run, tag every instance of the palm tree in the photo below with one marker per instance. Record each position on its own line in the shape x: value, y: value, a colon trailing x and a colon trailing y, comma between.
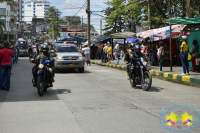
x: 53, y: 16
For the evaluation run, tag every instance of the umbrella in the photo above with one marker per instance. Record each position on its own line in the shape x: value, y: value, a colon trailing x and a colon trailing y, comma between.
x: 131, y: 39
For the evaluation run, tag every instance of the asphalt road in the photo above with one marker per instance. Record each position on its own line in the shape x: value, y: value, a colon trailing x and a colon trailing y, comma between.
x: 100, y: 100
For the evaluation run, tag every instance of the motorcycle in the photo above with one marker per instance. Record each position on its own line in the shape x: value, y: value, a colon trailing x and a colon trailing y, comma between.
x: 44, y: 70
x: 140, y: 74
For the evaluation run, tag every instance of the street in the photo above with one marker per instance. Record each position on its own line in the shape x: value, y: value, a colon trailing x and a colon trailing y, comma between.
x: 100, y: 100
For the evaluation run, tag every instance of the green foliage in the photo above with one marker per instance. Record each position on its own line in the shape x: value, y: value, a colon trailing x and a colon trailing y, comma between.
x: 136, y: 11
x: 53, y: 16
x: 92, y: 28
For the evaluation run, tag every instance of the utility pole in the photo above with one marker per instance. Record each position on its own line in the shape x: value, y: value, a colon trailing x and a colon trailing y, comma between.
x: 101, y: 25
x: 57, y: 27
x: 88, y: 27
x: 82, y: 26
x: 149, y: 14
x: 170, y: 30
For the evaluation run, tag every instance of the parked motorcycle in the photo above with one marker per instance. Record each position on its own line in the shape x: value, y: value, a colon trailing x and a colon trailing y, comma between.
x: 140, y: 74
x: 44, y: 71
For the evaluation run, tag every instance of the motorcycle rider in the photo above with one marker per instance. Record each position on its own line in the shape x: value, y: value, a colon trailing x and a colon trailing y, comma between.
x: 44, y: 51
x: 135, y: 52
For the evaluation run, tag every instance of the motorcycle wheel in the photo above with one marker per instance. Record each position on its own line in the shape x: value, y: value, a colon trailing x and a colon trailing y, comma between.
x: 40, y: 85
x: 146, y: 84
x: 132, y: 83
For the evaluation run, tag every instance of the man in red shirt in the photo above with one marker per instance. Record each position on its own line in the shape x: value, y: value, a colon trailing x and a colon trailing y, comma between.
x: 5, y: 56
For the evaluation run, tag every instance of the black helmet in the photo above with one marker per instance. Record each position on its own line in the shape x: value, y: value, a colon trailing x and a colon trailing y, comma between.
x: 45, y: 48
x: 137, y: 49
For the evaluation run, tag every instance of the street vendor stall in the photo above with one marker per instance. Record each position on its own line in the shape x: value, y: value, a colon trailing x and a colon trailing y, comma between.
x: 192, y: 30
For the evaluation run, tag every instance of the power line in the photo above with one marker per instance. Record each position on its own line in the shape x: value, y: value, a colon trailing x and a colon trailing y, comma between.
x: 81, y: 8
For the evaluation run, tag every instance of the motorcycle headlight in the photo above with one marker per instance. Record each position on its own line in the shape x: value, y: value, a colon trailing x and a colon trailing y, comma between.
x: 40, y: 66
x: 80, y: 58
x: 144, y: 63
x: 58, y: 58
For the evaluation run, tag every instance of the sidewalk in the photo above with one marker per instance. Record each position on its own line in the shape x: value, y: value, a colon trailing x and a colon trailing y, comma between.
x: 193, y: 78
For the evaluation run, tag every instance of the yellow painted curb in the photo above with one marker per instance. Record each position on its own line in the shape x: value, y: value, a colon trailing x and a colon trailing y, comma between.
x: 113, y: 66
x: 122, y: 67
x: 117, y: 66
x: 174, y: 76
x: 106, y: 64
x: 103, y: 64
x: 151, y: 71
x: 186, y: 78
x: 165, y: 75
x: 157, y: 73
x: 110, y: 65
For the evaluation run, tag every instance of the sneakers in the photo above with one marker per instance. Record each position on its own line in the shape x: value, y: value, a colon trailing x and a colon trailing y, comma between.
x: 183, y: 74
x: 187, y: 73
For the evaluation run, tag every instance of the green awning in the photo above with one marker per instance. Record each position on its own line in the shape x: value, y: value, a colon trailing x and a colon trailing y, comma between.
x: 185, y: 21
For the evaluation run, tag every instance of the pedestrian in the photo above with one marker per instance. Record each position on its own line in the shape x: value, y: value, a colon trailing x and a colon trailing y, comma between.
x: 194, y: 53
x: 153, y: 54
x: 5, y: 56
x: 109, y: 52
x: 15, y: 54
x: 122, y: 54
x: 105, y: 52
x: 145, y: 48
x: 116, y: 52
x: 101, y: 52
x: 161, y: 55
x: 86, y: 51
x: 184, y: 55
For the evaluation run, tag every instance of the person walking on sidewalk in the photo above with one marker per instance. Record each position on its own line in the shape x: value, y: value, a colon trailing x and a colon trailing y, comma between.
x: 101, y: 52
x: 116, y: 52
x: 15, y: 54
x: 184, y: 55
x: 105, y: 52
x: 5, y: 56
x: 194, y: 53
x: 86, y: 51
x: 109, y: 52
x: 161, y: 55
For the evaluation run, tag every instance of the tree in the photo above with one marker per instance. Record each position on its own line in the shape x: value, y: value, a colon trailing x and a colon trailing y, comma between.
x: 53, y: 16
x: 2, y: 28
x: 92, y: 28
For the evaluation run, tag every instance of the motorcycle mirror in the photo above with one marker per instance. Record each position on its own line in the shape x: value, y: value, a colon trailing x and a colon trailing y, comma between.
x: 52, y: 51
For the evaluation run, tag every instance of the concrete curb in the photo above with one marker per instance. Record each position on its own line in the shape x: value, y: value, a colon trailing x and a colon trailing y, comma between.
x: 173, y: 77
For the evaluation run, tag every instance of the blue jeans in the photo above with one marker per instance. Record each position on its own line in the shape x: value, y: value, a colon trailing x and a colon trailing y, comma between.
x: 116, y: 57
x: 15, y: 59
x: 161, y: 61
x: 5, y: 74
x: 101, y: 57
x: 184, y: 60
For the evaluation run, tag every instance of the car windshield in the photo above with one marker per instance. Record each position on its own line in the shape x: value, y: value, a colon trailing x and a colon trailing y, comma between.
x: 67, y: 49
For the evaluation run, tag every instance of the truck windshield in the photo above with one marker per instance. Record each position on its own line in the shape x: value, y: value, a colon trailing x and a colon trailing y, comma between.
x: 22, y: 45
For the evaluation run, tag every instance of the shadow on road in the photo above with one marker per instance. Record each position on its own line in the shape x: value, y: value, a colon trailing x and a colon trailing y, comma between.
x: 64, y: 91
x: 152, y: 89
x: 70, y: 71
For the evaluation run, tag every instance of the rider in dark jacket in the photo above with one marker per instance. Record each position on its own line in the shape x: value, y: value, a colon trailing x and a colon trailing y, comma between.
x: 134, y: 53
x: 44, y: 51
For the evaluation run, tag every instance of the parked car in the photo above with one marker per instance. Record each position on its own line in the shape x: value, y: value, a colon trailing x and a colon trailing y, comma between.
x: 68, y: 57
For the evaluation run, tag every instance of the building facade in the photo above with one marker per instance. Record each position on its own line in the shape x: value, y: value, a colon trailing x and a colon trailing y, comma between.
x: 35, y: 9
x: 9, y: 16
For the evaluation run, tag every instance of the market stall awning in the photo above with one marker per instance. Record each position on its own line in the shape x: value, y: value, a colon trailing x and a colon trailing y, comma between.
x: 123, y: 35
x: 161, y: 33
x: 185, y: 21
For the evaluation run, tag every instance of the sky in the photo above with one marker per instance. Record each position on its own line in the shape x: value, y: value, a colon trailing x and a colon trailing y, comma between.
x: 78, y: 8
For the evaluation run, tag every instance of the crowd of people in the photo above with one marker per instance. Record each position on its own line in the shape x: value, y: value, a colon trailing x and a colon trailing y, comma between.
x: 8, y: 56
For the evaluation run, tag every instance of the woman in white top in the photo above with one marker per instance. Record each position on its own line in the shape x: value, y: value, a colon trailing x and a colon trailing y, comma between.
x: 161, y: 55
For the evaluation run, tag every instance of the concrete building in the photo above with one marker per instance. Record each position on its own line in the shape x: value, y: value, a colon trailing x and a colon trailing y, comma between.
x: 35, y: 9
x: 9, y: 11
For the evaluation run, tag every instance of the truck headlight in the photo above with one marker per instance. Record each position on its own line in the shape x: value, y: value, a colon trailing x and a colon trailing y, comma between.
x: 80, y: 58
x: 144, y: 63
x: 58, y: 58
x: 40, y: 66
